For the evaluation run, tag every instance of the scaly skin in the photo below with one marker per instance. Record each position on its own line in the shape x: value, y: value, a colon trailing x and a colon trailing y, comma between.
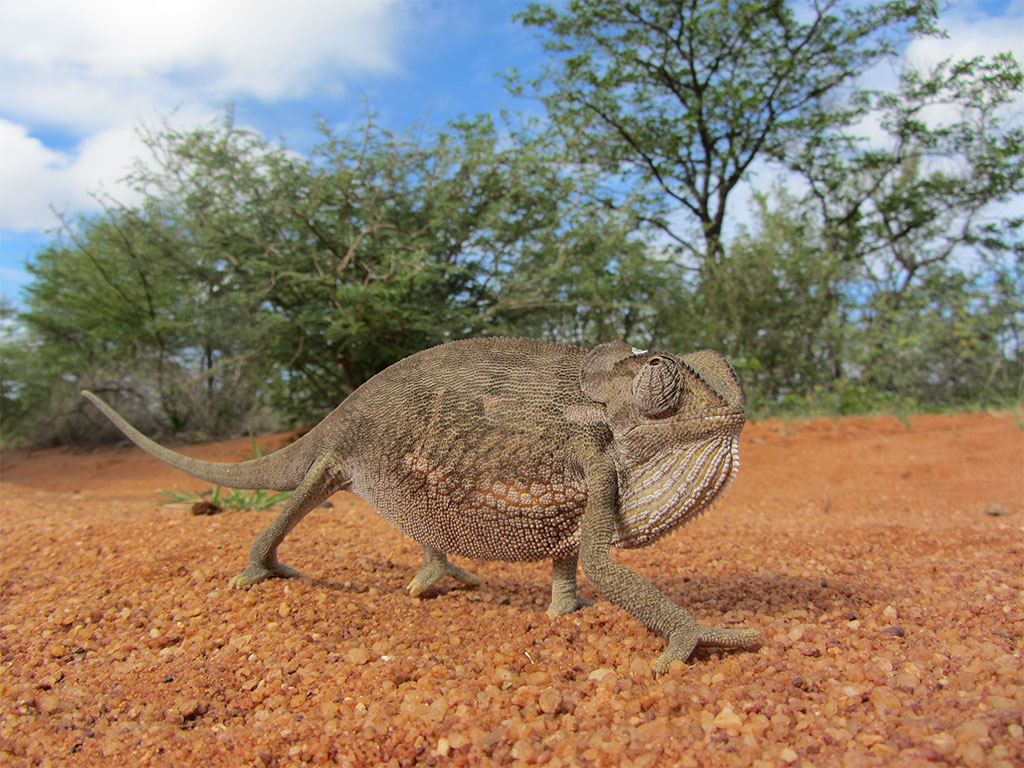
x: 511, y: 449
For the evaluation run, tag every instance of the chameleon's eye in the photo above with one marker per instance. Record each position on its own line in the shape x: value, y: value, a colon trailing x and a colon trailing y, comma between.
x: 658, y: 387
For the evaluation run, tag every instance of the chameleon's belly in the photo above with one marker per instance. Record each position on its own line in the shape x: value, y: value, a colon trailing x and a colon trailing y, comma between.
x: 483, y: 467
x: 528, y: 514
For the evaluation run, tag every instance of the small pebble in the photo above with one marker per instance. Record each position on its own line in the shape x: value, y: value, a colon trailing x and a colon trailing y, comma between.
x: 206, y: 508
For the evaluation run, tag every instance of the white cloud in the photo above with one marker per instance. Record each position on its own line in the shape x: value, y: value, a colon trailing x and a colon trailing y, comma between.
x: 35, y: 180
x: 77, y: 64
x: 971, y: 35
x: 95, y: 70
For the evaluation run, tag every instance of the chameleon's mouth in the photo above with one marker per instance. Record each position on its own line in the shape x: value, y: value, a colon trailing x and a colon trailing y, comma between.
x: 673, y: 487
x: 729, y: 416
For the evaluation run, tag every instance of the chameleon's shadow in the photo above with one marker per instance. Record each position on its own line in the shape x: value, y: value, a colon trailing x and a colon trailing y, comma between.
x: 520, y: 585
x: 525, y: 587
x: 771, y: 595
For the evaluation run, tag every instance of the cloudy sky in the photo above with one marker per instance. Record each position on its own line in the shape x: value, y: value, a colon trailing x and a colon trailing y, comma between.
x: 77, y: 77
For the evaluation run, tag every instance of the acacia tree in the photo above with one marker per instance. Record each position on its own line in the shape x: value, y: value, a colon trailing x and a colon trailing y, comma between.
x: 123, y: 305
x: 379, y: 244
x: 950, y: 150
x: 937, y: 284
x: 683, y: 96
x: 776, y: 305
x: 305, y: 275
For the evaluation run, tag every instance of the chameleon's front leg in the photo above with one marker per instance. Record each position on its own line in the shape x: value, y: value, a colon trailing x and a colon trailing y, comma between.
x: 564, y: 596
x: 632, y: 592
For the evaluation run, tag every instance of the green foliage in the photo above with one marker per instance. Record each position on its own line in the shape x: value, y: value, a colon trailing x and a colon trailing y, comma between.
x: 378, y: 245
x: 251, y: 274
x: 123, y: 304
x: 233, y: 499
x: 773, y: 305
x: 937, y: 285
x: 920, y: 194
x: 942, y: 341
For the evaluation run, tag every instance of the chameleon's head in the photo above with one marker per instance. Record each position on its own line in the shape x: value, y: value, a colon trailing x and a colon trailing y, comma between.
x: 658, y: 400
x: 676, y: 420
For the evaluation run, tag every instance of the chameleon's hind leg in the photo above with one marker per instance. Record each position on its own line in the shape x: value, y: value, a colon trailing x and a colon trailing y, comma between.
x: 435, y: 567
x: 320, y: 481
x: 564, y: 597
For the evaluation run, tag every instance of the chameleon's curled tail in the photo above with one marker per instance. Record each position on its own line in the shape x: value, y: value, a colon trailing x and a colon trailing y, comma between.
x: 282, y: 470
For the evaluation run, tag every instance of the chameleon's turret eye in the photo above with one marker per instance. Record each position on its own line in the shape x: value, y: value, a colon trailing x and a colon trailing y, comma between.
x: 658, y: 387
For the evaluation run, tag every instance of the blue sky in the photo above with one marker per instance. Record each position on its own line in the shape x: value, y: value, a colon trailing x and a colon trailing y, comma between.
x: 78, y: 76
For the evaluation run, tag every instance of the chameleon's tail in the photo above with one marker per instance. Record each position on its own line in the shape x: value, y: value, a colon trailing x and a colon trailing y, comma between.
x: 281, y: 470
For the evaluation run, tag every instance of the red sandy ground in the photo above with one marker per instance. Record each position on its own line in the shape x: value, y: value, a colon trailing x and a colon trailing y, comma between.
x: 882, y: 560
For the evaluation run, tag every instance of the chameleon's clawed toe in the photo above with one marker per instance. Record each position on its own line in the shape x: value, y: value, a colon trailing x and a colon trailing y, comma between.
x: 684, y: 643
x: 748, y: 639
x: 418, y: 586
x: 254, y: 574
x: 436, y: 567
x: 563, y: 604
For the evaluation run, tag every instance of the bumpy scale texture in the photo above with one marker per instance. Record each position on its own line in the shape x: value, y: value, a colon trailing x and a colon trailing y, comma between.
x: 513, y: 449
x: 483, y: 465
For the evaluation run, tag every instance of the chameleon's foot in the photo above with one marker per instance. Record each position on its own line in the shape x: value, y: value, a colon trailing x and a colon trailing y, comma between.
x: 435, y: 567
x: 254, y: 574
x: 566, y: 603
x: 564, y: 597
x: 685, y: 641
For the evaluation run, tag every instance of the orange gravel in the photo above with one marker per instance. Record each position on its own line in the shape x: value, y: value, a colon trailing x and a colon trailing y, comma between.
x: 882, y: 560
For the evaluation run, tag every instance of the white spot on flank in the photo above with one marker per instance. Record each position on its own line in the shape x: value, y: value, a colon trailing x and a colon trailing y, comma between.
x: 639, y: 351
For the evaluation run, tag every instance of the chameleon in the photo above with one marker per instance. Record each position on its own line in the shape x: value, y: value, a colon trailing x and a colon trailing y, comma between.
x: 517, y: 450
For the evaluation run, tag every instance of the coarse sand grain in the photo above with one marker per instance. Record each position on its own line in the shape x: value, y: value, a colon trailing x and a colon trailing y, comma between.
x: 882, y: 559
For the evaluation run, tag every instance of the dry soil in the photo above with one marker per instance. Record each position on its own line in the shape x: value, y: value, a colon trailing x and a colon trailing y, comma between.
x: 881, y: 559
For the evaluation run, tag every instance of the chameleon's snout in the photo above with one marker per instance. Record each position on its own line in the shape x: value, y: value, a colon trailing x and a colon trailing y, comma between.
x: 718, y: 375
